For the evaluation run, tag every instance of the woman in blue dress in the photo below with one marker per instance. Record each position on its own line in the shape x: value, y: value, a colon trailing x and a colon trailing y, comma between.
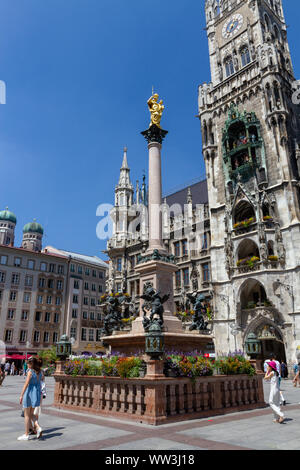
x: 31, y: 396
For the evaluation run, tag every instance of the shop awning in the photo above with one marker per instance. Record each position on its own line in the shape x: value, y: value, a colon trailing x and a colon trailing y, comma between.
x: 15, y: 356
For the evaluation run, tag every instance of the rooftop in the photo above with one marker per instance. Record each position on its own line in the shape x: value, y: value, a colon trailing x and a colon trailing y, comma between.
x: 198, y: 191
x: 78, y: 256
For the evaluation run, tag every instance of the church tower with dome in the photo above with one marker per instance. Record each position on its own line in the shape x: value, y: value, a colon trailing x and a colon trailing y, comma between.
x: 32, y: 236
x: 8, y: 222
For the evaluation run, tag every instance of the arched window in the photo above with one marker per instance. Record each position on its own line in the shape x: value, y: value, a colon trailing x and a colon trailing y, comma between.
x: 271, y: 248
x: 267, y: 23
x: 229, y: 67
x: 245, y: 56
x: 253, y: 294
x: 211, y: 133
x: 244, y: 212
x: 277, y: 33
x: 205, y: 133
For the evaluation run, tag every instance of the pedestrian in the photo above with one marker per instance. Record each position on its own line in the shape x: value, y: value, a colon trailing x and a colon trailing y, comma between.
x: 283, y: 370
x: 297, y: 378
x: 31, y: 397
x: 2, y: 374
x: 278, y: 368
x: 7, y: 368
x: 38, y: 409
x: 274, y: 398
x: 12, y: 369
x: 266, y: 365
x: 295, y: 370
x: 25, y: 368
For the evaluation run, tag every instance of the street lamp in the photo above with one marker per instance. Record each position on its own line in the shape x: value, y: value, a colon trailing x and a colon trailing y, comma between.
x: 253, y: 345
x: 154, y: 339
x: 28, y: 345
x: 63, y: 348
x: 235, y: 329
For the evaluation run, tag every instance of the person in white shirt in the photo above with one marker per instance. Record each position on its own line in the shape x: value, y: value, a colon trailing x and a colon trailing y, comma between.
x: 274, y: 359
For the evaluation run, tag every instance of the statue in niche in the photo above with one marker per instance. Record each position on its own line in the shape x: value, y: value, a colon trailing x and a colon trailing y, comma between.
x: 194, y: 278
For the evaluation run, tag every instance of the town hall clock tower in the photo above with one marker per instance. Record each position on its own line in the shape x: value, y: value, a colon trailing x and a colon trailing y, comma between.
x: 251, y: 147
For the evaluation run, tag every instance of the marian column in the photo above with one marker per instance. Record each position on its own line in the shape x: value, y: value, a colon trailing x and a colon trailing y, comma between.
x: 154, y: 136
x: 157, y: 266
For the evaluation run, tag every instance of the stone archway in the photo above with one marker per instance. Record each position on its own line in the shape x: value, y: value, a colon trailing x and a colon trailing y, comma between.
x: 269, y: 334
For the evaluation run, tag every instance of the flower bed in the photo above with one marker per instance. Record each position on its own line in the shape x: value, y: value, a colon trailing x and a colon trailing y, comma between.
x: 113, y: 366
x: 188, y: 366
x: 244, y: 223
x: 234, y: 364
x: 176, y: 365
x: 251, y: 262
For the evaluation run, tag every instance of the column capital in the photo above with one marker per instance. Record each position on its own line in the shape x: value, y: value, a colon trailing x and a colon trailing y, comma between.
x: 154, y: 134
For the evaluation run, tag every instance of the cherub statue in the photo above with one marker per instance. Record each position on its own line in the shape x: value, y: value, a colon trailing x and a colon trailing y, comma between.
x: 200, y: 311
x: 112, y: 317
x: 154, y: 302
x: 156, y: 109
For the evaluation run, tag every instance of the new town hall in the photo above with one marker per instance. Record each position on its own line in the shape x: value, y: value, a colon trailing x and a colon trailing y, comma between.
x: 241, y: 243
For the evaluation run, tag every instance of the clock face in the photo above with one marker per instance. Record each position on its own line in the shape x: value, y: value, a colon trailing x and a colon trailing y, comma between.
x: 232, y: 26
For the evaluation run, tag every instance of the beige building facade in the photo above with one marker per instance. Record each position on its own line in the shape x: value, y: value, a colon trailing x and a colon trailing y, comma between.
x: 83, y: 320
x: 47, y: 293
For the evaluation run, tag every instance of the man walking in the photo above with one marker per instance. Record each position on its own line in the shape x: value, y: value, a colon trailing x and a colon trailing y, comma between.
x: 7, y: 368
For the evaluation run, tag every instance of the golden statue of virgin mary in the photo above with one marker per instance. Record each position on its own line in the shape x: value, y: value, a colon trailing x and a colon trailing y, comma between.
x: 156, y: 110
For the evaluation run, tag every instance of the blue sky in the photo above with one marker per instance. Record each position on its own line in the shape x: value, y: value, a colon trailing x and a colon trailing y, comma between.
x: 78, y: 76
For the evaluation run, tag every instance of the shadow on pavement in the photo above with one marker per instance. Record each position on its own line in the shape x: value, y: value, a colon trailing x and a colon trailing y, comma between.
x: 50, y: 436
x: 50, y: 433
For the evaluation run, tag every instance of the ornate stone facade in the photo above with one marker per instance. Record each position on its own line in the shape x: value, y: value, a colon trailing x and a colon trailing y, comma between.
x: 250, y: 134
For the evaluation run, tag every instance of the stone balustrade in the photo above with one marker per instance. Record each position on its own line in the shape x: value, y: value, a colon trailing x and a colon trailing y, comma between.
x: 158, y: 400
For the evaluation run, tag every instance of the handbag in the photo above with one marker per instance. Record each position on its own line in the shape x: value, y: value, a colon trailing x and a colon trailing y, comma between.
x: 43, y: 390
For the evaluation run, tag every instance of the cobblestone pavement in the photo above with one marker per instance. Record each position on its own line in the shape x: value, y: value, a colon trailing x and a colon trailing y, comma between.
x: 66, y: 430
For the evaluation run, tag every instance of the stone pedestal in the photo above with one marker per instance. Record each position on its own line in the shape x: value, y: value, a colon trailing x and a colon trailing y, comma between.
x: 59, y: 367
x: 160, y: 275
x: 155, y: 369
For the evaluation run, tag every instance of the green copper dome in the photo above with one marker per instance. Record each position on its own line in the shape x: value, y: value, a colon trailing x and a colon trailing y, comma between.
x: 33, y: 227
x: 9, y: 216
